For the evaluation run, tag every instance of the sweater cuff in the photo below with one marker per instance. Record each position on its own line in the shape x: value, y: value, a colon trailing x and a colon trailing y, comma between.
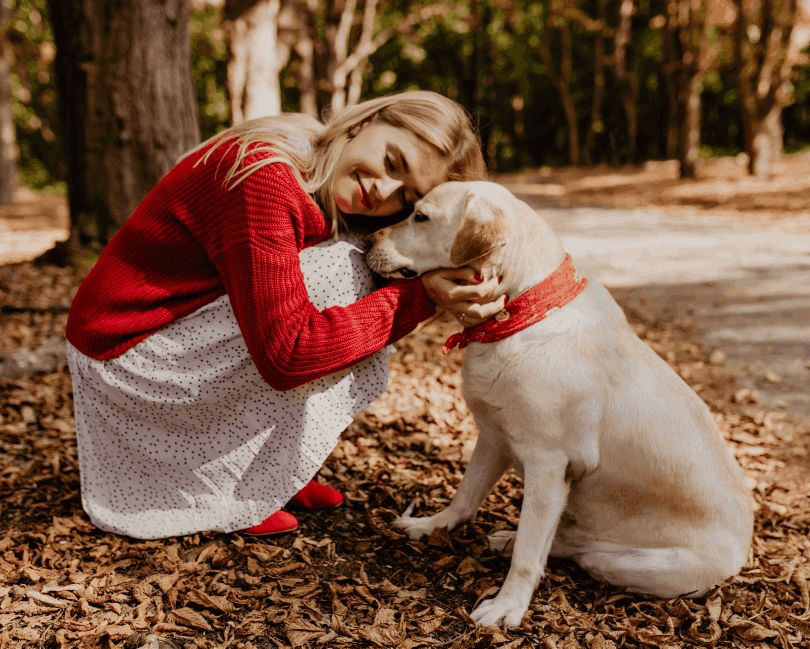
x: 413, y: 309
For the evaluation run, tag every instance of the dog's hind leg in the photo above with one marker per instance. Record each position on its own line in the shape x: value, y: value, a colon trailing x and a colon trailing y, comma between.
x: 663, y: 572
x: 488, y: 462
x: 545, y: 492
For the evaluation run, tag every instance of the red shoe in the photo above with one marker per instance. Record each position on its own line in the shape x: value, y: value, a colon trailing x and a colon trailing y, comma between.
x: 277, y: 523
x: 315, y: 496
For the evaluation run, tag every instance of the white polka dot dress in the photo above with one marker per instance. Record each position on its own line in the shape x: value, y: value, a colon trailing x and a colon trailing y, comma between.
x: 180, y: 434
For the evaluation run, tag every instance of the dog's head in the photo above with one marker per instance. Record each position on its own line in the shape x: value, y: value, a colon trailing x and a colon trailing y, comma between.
x: 477, y: 224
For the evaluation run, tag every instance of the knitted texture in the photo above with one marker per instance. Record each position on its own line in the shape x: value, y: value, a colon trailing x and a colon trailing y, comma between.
x: 191, y: 240
x: 536, y: 304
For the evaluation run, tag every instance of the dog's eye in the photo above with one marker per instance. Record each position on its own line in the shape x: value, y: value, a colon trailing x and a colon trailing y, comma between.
x: 419, y: 217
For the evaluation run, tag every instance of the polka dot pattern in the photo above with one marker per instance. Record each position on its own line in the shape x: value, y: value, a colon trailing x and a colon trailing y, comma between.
x: 180, y: 434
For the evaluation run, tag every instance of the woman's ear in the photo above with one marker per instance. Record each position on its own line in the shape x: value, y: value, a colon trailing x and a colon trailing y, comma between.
x: 354, y: 130
x: 482, y: 231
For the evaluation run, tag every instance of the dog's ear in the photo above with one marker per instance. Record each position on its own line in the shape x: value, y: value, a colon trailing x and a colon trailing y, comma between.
x: 482, y: 231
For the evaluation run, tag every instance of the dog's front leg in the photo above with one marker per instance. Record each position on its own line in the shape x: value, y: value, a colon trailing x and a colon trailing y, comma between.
x: 488, y: 462
x: 545, y: 492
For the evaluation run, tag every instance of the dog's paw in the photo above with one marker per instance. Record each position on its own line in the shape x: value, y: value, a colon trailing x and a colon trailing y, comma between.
x: 500, y: 611
x: 502, y: 542
x: 416, y: 527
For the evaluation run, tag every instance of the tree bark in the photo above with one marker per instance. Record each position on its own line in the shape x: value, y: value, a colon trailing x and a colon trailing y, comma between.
x: 556, y: 12
x: 305, y: 48
x: 763, y: 63
x: 9, y: 153
x: 670, y: 66
x: 261, y: 35
x: 338, y: 66
x: 689, y: 131
x: 596, y: 125
x: 127, y: 101
x: 685, y: 65
x: 628, y: 81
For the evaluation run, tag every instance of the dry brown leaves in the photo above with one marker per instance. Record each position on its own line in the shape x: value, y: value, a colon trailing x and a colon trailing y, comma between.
x: 344, y: 578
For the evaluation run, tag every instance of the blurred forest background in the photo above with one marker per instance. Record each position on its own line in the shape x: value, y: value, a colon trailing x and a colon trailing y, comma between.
x: 550, y: 82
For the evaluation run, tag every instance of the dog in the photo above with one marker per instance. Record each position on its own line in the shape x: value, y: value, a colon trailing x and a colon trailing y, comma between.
x: 624, y: 469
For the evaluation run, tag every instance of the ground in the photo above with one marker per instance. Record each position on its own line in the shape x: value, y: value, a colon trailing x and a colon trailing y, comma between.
x: 344, y: 578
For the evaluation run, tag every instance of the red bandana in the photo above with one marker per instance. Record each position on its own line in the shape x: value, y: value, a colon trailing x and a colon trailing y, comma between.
x: 540, y: 301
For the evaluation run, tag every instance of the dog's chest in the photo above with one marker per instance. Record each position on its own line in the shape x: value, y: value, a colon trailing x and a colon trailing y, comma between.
x: 492, y: 371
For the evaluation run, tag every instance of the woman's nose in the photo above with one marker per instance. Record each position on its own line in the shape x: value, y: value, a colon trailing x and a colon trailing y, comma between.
x: 386, y: 187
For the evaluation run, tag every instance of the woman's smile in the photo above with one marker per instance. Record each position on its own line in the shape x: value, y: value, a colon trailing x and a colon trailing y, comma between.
x: 363, y: 198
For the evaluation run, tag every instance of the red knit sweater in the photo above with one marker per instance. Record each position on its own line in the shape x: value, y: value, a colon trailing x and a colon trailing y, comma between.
x: 191, y: 240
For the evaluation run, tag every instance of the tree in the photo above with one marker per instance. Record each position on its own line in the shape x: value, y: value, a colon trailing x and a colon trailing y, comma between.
x: 685, y: 55
x: 261, y: 35
x: 600, y: 31
x: 9, y: 154
x: 765, y: 52
x: 557, y: 23
x: 127, y: 103
x: 626, y: 79
x: 334, y: 54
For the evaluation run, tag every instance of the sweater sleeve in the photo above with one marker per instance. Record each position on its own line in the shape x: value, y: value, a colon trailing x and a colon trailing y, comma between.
x: 289, y: 340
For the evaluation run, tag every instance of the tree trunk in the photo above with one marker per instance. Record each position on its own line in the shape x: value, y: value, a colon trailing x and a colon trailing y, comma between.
x: 565, y: 92
x: 685, y: 66
x: 628, y: 82
x: 355, y: 88
x: 338, y: 68
x: 764, y: 57
x: 128, y: 108
x: 670, y: 65
x: 689, y: 131
x: 596, y: 125
x: 305, y: 48
x: 261, y: 34
x: 766, y: 142
x: 9, y: 153
x: 555, y: 21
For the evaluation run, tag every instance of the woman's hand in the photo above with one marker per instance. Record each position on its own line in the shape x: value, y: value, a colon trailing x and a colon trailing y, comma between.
x: 471, y: 303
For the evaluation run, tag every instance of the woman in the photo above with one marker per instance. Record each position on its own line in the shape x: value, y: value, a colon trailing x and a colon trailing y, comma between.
x: 224, y: 338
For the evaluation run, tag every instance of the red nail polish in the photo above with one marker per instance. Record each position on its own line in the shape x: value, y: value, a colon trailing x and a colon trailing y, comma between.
x: 478, y: 278
x: 500, y: 279
x: 505, y: 299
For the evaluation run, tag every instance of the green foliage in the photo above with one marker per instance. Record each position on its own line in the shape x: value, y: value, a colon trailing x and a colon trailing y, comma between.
x: 483, y: 53
x: 33, y: 97
x: 209, y: 57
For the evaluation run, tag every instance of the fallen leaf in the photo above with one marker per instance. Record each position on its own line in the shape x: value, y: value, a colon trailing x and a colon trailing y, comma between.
x: 217, y: 602
x: 299, y: 631
x: 749, y: 630
x: 188, y: 617
x: 468, y: 565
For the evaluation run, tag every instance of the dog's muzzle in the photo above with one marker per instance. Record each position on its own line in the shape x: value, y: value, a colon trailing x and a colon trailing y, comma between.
x: 407, y: 273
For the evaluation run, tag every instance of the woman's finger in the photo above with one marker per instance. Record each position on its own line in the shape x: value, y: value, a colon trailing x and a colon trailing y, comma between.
x: 481, y: 312
x: 475, y: 291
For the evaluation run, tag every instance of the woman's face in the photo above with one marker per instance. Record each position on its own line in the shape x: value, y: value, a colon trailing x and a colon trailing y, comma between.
x: 384, y: 169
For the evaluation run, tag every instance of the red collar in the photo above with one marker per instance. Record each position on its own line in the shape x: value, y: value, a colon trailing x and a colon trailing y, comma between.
x: 543, y: 299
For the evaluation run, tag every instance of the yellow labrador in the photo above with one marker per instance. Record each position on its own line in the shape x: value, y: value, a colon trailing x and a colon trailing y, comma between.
x: 624, y: 469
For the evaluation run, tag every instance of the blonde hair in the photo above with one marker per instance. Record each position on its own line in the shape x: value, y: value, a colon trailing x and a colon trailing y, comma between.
x: 436, y: 120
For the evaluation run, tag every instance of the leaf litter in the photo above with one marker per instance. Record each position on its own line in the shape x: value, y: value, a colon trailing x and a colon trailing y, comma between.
x: 344, y: 578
